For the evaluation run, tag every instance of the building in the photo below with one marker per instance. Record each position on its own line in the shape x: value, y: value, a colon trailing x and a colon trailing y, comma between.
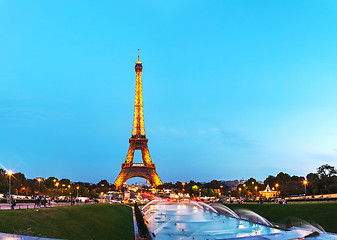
x: 268, y: 193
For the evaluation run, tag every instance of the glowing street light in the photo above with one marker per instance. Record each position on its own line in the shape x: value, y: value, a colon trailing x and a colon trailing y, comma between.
x: 277, y: 185
x: 183, y: 186
x: 57, y: 187
x: 256, y: 190
x: 9, y: 173
x: 77, y: 190
x: 305, y: 183
x: 39, y: 180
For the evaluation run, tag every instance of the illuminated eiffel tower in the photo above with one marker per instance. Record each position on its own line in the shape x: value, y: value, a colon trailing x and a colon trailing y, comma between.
x: 138, y: 141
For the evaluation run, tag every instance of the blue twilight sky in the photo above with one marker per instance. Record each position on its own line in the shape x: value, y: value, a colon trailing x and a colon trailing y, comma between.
x: 232, y: 89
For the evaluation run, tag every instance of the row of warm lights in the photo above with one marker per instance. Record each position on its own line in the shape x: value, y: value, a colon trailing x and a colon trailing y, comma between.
x: 10, y: 173
x: 244, y: 186
x: 305, y: 182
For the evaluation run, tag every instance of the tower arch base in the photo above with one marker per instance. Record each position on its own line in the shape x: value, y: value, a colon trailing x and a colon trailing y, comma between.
x: 148, y: 173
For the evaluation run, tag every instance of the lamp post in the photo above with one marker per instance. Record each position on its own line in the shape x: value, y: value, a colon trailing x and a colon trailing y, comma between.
x: 77, y: 190
x: 256, y: 190
x: 57, y: 188
x: 39, y: 180
x: 9, y: 173
x: 305, y: 183
x: 277, y: 185
x: 240, y: 192
x: 183, y: 186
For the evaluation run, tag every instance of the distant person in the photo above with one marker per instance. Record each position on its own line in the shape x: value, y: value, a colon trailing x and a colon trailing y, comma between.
x: 37, y: 203
x: 13, y: 202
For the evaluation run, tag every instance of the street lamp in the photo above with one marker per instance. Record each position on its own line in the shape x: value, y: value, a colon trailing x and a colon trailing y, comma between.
x: 9, y: 173
x: 277, y: 185
x: 39, y: 180
x: 77, y: 190
x: 256, y: 190
x: 305, y: 183
x: 57, y: 188
x: 240, y: 192
x: 183, y: 186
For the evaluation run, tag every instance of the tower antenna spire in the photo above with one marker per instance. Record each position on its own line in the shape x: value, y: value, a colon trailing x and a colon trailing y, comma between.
x: 138, y: 54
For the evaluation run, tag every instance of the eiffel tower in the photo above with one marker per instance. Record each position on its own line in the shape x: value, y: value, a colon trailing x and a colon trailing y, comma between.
x: 138, y: 141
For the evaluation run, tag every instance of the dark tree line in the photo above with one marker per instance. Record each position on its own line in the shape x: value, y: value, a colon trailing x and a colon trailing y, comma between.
x: 324, y: 181
x: 51, y: 186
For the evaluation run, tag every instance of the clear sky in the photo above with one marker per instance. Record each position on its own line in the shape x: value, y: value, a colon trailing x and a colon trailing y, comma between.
x: 232, y: 89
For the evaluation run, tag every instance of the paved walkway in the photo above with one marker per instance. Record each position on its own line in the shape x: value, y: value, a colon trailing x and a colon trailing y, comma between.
x: 6, y: 206
x: 5, y: 236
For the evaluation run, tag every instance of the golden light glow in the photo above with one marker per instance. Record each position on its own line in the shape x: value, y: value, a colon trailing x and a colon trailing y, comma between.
x: 9, y: 172
x: 54, y: 180
x: 253, y: 183
x: 138, y: 141
x: 77, y: 187
x: 138, y: 118
x: 277, y: 185
x: 305, y: 182
x: 183, y: 183
x: 244, y: 185
x: 69, y: 186
x: 57, y: 184
x: 255, y: 187
x: 240, y: 189
x: 63, y: 185
x: 39, y: 179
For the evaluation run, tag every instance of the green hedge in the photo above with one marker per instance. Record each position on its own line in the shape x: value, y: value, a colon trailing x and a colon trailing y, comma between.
x: 142, y: 227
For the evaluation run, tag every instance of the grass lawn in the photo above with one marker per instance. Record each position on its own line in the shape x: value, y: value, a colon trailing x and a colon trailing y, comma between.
x: 325, y: 214
x: 100, y: 221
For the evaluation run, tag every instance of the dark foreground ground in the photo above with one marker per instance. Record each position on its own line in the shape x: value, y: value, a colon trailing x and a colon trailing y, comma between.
x: 100, y: 221
x: 325, y: 214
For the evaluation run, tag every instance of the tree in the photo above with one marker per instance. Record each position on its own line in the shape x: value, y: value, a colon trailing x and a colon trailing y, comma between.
x: 50, y: 182
x: 64, y: 181
x: 18, y: 181
x: 3, y: 181
x: 326, y: 171
x: 93, y: 194
x: 103, y: 186
x: 283, y: 178
x: 270, y: 180
x: 311, y: 177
